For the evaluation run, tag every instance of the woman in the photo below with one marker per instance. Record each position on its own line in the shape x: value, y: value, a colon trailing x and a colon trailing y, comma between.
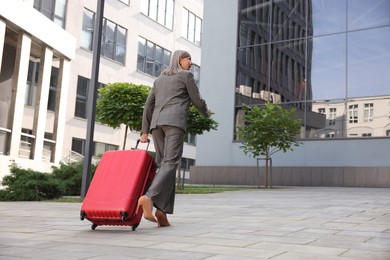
x: 165, y: 117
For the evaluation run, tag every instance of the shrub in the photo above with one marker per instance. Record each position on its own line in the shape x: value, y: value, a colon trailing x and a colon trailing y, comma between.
x: 29, y: 185
x: 70, y: 176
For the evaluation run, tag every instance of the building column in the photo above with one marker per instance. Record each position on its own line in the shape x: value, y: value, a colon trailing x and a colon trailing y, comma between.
x: 42, y: 97
x: 2, y: 38
x: 18, y: 92
x: 60, y: 110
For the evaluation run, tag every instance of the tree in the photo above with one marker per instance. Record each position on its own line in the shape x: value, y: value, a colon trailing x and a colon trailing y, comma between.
x: 122, y: 103
x: 197, y: 124
x: 268, y: 129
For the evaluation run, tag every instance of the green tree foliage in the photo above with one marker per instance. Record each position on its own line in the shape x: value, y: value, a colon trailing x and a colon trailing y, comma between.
x: 268, y: 129
x: 121, y: 103
x: 197, y: 123
x: 29, y: 185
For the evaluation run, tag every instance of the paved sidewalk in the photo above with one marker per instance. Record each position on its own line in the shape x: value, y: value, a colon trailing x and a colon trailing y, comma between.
x: 278, y: 224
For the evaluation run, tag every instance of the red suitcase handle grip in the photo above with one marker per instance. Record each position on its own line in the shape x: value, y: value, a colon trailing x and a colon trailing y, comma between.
x: 138, y: 141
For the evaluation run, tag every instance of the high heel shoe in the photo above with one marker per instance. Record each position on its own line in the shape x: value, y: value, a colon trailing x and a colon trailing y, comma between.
x: 162, y: 219
x: 147, y: 207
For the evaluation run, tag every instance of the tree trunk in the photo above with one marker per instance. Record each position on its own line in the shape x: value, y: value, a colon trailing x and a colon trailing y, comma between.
x: 266, y: 172
x: 266, y: 167
x: 178, y: 177
x: 124, y: 141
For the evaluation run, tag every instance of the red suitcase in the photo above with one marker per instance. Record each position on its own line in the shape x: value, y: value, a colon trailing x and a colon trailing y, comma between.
x: 120, y: 179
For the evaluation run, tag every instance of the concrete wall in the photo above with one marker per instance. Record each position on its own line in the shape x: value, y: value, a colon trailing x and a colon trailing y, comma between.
x: 373, y: 177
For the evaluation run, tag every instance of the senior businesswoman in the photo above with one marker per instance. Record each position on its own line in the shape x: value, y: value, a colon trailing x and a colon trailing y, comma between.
x: 165, y: 117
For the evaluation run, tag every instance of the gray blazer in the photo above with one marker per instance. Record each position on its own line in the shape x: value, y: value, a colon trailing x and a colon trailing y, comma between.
x: 169, y: 101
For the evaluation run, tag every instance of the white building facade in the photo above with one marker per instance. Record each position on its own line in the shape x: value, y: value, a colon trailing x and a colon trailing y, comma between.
x: 47, y: 64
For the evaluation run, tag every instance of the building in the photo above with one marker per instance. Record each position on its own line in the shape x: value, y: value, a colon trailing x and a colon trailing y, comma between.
x: 46, y: 54
x: 329, y: 59
x: 367, y: 116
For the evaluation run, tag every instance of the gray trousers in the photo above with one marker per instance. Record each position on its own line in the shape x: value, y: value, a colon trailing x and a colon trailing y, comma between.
x: 168, y: 142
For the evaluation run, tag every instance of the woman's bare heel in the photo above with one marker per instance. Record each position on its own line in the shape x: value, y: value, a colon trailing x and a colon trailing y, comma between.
x: 147, y: 207
x: 162, y: 219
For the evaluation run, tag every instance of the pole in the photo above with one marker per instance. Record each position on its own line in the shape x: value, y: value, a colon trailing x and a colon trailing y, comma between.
x: 92, y: 95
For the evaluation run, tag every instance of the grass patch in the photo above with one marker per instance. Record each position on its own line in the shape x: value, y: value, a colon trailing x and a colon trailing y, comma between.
x: 188, y: 189
x: 68, y: 199
x: 194, y: 189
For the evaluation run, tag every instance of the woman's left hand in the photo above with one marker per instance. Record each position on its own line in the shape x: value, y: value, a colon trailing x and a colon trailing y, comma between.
x: 144, y: 138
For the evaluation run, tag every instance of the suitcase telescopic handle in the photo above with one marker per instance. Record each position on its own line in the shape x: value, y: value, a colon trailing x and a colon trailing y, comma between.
x: 138, y: 141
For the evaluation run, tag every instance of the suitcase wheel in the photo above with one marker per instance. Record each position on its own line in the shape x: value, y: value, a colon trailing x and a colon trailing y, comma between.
x: 82, y: 214
x: 93, y: 226
x: 124, y: 215
x: 134, y: 227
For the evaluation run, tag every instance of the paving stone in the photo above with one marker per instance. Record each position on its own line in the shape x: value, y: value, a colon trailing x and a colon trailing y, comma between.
x: 286, y: 223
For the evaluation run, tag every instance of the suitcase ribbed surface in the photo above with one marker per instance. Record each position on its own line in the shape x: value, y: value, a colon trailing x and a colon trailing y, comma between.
x: 120, y: 179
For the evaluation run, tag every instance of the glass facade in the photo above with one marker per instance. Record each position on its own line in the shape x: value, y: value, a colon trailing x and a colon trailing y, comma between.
x: 328, y: 58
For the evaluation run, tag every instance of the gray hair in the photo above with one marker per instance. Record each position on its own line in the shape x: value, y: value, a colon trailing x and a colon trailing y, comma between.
x: 174, y: 66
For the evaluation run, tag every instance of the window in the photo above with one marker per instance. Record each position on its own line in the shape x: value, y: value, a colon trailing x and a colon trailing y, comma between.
x: 282, y: 43
x: 87, y: 30
x: 32, y: 83
x: 190, y: 139
x: 32, y: 86
x: 332, y: 116
x: 100, y: 148
x: 82, y: 97
x: 186, y: 163
x: 191, y: 27
x: 152, y: 59
x: 330, y: 135
x: 113, y: 37
x: 388, y: 115
x: 368, y: 112
x: 366, y: 134
x: 195, y: 69
x: 159, y: 10
x: 78, y: 145
x: 353, y: 114
x: 51, y: 105
x: 53, y: 9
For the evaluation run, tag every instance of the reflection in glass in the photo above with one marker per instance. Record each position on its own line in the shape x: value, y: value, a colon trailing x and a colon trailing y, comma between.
x: 120, y: 49
x: 333, y: 121
x: 368, y: 63
x: 288, y: 71
x: 169, y: 14
x: 289, y: 20
x: 141, y: 57
x: 328, y: 16
x: 328, y: 75
x: 87, y: 31
x: 254, y: 19
x: 368, y: 13
x: 337, y: 76
x: 109, y: 39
